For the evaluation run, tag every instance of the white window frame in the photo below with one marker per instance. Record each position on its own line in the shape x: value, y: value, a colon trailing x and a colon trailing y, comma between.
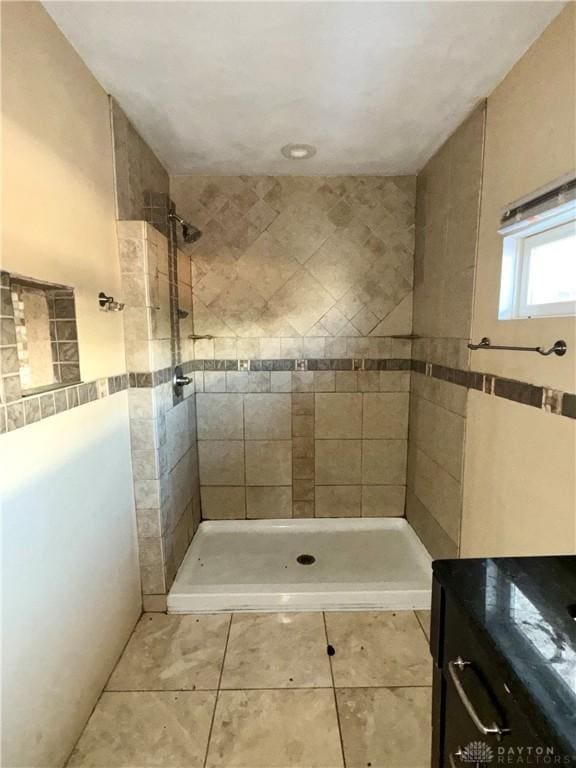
x: 516, y: 263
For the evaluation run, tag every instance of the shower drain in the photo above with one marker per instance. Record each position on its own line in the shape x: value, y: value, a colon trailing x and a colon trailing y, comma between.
x: 306, y: 559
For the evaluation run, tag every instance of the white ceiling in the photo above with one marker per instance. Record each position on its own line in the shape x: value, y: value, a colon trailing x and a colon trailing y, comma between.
x: 220, y: 87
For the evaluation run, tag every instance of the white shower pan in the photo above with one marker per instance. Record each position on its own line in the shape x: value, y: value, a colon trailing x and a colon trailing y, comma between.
x: 252, y: 565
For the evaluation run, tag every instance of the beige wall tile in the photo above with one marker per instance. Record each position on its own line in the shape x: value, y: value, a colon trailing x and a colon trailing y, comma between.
x: 248, y: 349
x: 145, y: 464
x: 338, y: 462
x: 430, y: 532
x: 439, y: 433
x: 302, y: 468
x: 152, y: 579
x: 442, y: 393
x: 277, y: 267
x: 383, y: 500
x: 303, y: 404
x: 324, y: 381
x: 385, y: 415
x: 383, y: 462
x: 154, y: 603
x: 438, y: 490
x: 258, y: 381
x: 395, y: 381
x: 148, y: 522
x: 281, y: 381
x: 291, y: 348
x: 267, y: 416
x: 338, y: 415
x: 237, y: 381
x: 314, y: 348
x: 221, y: 462
x: 269, y: 462
x: 303, y: 489
x: 338, y: 501
x: 368, y: 381
x: 146, y: 493
x: 303, y: 381
x: 303, y: 447
x: 178, y: 433
x: 219, y: 416
x: 224, y: 503
x: 346, y: 381
x: 142, y: 403
x: 268, y: 502
x: 225, y: 349
x: 303, y: 509
x: 302, y: 425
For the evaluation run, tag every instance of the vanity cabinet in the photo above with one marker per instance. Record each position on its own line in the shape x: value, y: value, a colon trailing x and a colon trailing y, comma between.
x: 503, y: 640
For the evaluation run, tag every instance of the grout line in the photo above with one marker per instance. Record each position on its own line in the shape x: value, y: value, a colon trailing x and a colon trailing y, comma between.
x: 262, y: 688
x: 334, y: 690
x: 421, y: 625
x: 217, y: 691
x: 245, y: 469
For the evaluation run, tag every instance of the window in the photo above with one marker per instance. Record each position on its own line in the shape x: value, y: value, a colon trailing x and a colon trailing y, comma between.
x: 539, y: 259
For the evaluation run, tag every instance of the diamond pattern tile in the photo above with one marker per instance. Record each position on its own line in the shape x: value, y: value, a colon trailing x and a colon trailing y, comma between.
x: 292, y: 256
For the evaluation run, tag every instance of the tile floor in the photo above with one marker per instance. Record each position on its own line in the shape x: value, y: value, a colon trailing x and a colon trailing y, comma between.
x: 259, y: 690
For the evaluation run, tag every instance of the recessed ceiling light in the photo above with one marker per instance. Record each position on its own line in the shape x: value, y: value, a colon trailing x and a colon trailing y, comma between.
x: 298, y: 151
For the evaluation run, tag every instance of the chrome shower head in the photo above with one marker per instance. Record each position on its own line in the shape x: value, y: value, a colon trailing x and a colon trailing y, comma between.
x: 190, y: 233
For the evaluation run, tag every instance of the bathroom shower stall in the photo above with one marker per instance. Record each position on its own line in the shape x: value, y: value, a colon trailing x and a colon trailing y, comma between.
x: 310, y: 456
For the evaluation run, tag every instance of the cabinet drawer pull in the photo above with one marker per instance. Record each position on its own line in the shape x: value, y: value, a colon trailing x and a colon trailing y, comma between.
x: 458, y: 665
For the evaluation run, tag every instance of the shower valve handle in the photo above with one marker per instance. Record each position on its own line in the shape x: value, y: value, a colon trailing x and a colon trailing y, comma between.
x: 179, y: 380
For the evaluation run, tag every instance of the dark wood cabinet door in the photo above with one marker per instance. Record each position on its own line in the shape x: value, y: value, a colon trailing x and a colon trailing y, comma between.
x: 481, y: 684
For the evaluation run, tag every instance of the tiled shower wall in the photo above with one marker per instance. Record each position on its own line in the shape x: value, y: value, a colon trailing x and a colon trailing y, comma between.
x: 163, y: 429
x: 137, y: 171
x: 301, y: 282
x: 317, y: 443
x: 447, y: 214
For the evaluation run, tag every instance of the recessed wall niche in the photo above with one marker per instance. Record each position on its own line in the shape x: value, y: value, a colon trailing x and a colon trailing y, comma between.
x: 39, y: 338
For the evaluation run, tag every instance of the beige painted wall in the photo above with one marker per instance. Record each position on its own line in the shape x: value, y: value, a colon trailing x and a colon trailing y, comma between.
x: 58, y: 202
x: 520, y: 490
x: 70, y: 573
x: 520, y: 469
x: 530, y: 141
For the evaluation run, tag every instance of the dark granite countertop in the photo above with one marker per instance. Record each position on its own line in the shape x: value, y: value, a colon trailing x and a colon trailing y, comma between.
x: 521, y: 605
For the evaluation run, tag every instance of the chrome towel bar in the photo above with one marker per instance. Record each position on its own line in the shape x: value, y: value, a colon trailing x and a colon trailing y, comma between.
x: 558, y: 348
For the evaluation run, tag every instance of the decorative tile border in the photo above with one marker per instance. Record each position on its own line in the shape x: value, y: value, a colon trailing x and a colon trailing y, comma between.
x: 28, y: 410
x: 277, y: 364
x: 545, y: 398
